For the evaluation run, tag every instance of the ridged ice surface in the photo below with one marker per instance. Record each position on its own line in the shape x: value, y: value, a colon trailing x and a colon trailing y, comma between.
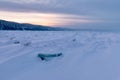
x: 86, y: 55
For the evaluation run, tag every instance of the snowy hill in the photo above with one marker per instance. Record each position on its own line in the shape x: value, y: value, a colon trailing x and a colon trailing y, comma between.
x: 7, y: 25
x: 86, y: 55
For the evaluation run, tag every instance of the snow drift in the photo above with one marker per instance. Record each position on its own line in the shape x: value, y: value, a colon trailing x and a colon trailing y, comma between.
x: 87, y: 55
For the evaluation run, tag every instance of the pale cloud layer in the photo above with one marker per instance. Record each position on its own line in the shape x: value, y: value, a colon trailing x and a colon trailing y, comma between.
x: 47, y: 19
x: 98, y: 12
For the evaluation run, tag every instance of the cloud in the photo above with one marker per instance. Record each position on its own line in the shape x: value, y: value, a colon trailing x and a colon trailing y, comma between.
x: 33, y: 6
x: 99, y: 10
x: 82, y: 7
x: 47, y: 19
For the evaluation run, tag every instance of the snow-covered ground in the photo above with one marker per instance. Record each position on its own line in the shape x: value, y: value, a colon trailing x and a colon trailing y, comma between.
x: 86, y: 55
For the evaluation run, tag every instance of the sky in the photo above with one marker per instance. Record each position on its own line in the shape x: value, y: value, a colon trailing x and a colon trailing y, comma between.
x: 63, y: 13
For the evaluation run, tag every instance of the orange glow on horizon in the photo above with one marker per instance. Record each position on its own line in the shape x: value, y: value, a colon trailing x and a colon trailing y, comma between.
x: 45, y: 19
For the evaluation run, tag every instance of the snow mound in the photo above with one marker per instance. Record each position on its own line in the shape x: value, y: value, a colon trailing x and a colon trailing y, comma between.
x: 87, y: 55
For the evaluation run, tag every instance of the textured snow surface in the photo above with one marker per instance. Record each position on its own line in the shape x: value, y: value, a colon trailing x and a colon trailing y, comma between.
x: 86, y: 55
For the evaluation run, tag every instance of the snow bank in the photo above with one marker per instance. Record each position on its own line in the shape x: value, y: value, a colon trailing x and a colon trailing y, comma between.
x: 87, y: 55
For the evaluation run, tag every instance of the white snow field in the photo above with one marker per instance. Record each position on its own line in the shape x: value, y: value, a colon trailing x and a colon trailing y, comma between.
x: 86, y: 55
